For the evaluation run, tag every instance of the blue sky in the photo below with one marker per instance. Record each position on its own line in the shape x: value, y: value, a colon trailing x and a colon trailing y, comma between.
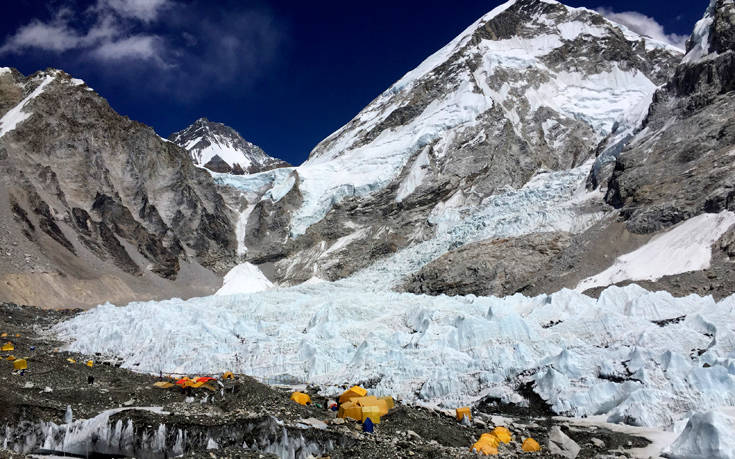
x: 285, y: 74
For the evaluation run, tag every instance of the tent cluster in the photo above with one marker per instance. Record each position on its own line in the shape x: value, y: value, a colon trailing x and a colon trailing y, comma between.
x: 18, y: 364
x: 356, y: 404
x: 489, y: 442
x: 187, y: 383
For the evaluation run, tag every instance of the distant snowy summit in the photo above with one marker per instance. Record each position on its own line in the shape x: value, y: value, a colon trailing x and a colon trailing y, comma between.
x: 220, y: 148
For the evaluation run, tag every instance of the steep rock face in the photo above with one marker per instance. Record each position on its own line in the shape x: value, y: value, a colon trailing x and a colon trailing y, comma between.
x: 221, y: 149
x: 217, y: 164
x: 680, y: 164
x: 498, y: 267
x: 91, y: 193
x: 532, y: 86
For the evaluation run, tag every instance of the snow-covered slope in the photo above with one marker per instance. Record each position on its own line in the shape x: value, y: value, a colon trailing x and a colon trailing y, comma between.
x: 486, y: 73
x: 19, y: 113
x: 244, y: 278
x: 708, y: 435
x: 686, y: 248
x: 206, y: 140
x: 699, y: 45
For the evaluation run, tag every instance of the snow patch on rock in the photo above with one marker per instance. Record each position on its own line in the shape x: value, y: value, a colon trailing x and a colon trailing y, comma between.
x: 685, y: 248
x: 415, y: 176
x: 18, y: 114
x: 699, y: 41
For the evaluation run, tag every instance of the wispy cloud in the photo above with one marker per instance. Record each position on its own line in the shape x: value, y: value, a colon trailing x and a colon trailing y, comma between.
x: 136, y: 47
x: 106, y: 36
x: 144, y: 10
x: 644, y: 25
x: 196, y: 46
x: 54, y: 35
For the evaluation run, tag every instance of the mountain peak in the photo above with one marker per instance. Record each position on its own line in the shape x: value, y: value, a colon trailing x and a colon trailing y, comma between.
x: 213, y: 144
x: 714, y: 33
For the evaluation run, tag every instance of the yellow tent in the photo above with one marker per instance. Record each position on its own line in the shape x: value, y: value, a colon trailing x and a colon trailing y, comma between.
x: 90, y: 363
x: 301, y: 398
x: 163, y: 384
x: 487, y: 445
x: 531, y: 446
x: 462, y: 412
x: 389, y: 402
x: 228, y: 375
x: 503, y: 434
x: 372, y: 412
x: 350, y: 410
x: 20, y: 364
x: 380, y: 403
x: 7, y: 347
x: 352, y: 392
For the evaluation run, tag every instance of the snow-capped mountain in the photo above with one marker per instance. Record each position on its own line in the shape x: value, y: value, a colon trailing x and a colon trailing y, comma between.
x: 532, y: 86
x: 222, y: 149
x: 522, y: 176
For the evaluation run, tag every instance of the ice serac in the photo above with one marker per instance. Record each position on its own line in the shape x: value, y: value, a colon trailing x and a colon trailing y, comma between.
x: 708, y: 435
x: 222, y: 149
x: 638, y: 357
x: 680, y: 164
x: 94, y: 205
x: 532, y: 86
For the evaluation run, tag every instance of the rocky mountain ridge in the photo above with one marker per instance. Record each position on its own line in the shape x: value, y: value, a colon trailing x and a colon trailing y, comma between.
x: 221, y: 149
x: 99, y: 206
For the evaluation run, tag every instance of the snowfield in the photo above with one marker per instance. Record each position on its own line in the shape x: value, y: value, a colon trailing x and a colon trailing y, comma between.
x: 550, y: 201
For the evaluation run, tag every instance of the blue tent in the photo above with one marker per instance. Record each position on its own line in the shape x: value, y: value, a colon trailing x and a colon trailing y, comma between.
x: 367, y: 426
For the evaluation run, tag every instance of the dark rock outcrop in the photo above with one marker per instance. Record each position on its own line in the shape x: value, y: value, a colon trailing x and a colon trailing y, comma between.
x: 498, y: 267
x: 217, y: 164
x: 96, y: 194
x: 680, y: 164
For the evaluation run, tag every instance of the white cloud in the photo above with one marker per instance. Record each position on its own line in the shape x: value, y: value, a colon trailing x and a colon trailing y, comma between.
x: 108, y: 38
x: 144, y: 10
x: 56, y: 35
x: 644, y: 25
x: 143, y: 47
x: 107, y: 28
x: 196, y: 47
